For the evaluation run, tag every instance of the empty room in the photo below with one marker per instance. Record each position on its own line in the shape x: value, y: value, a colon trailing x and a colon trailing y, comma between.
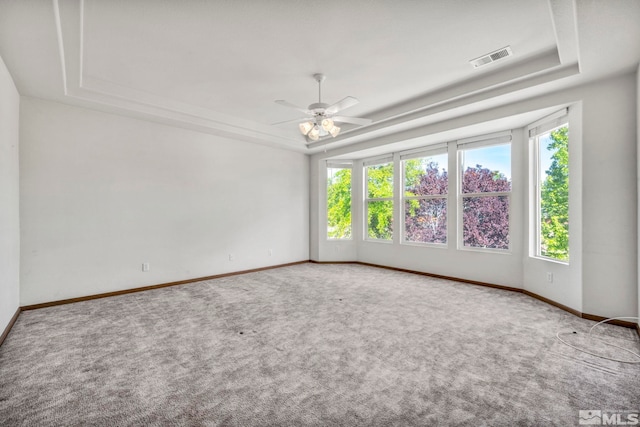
x: 338, y: 213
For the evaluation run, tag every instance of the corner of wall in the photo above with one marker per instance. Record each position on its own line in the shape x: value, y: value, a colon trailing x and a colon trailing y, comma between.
x: 9, y: 200
x: 314, y: 197
x: 638, y: 175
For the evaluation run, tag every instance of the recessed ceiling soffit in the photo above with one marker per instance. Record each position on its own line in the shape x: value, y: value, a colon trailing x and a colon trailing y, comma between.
x: 512, y: 74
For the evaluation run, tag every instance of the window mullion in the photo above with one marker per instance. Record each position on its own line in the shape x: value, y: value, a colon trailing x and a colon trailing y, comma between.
x: 487, y: 194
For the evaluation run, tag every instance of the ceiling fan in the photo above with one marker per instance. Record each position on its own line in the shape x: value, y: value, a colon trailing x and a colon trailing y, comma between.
x: 323, y: 117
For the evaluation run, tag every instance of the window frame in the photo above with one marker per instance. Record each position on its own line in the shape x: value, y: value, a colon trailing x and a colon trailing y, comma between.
x: 424, y: 152
x: 536, y: 130
x: 471, y: 144
x: 388, y: 159
x: 331, y: 164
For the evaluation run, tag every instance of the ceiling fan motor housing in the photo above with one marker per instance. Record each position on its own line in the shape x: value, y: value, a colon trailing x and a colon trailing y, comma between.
x: 318, y: 107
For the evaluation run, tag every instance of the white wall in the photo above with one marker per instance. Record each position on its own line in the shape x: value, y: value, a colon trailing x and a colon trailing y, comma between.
x: 102, y: 193
x: 606, y: 283
x: 638, y: 174
x: 9, y: 199
x: 609, y: 195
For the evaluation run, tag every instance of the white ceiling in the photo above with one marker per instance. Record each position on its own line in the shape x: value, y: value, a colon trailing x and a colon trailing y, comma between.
x: 217, y: 66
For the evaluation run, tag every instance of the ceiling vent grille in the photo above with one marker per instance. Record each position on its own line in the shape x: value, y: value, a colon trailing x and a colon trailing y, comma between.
x: 499, y: 54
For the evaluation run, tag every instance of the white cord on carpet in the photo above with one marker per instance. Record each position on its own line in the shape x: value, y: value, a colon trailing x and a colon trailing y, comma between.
x: 610, y: 344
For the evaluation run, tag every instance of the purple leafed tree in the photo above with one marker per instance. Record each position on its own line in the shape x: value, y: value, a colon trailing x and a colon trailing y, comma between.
x: 485, y: 219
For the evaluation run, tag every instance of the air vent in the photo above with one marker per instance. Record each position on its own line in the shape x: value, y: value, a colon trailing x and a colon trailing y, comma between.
x: 491, y: 57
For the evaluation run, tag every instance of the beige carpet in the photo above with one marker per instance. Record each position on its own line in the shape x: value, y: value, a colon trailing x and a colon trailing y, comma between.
x: 308, y: 345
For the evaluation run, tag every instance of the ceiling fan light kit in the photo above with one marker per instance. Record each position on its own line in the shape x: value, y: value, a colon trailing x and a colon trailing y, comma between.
x: 314, y: 131
x: 305, y: 127
x: 327, y: 124
x: 323, y: 120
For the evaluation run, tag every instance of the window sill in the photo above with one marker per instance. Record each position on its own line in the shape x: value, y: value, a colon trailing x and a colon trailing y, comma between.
x: 426, y: 245
x: 551, y: 260
x: 486, y: 250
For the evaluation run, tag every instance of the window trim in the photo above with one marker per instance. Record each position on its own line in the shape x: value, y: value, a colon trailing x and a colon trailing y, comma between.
x: 424, y: 152
x: 535, y: 130
x: 336, y: 164
x: 377, y: 161
x: 502, y: 138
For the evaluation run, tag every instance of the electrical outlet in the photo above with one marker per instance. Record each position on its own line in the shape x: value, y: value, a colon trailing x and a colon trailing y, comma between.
x: 270, y: 252
x: 231, y: 257
x: 549, y: 277
x: 146, y: 266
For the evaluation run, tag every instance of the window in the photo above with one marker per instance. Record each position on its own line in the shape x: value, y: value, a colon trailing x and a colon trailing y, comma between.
x: 551, y: 186
x: 425, y: 197
x: 379, y: 200
x: 485, y: 194
x: 338, y: 201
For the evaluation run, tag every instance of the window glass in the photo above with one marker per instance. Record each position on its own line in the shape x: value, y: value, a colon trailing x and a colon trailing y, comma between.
x: 379, y: 201
x: 486, y: 169
x: 486, y: 193
x: 338, y: 203
x: 380, y: 181
x: 380, y: 220
x: 426, y: 176
x: 426, y: 220
x: 486, y: 222
x: 552, y: 185
x: 425, y: 199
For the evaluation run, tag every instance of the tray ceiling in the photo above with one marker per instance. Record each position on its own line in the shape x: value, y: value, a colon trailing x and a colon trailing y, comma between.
x: 217, y: 66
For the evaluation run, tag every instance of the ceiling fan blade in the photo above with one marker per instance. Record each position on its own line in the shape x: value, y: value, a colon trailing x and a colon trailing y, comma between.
x: 295, y: 107
x: 299, y: 120
x: 355, y: 120
x: 343, y: 104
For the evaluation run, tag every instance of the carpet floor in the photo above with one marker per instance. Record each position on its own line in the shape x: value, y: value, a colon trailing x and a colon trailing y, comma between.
x: 309, y: 345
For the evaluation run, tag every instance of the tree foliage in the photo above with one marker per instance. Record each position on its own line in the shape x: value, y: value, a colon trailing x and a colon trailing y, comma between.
x: 554, y: 199
x: 339, y: 204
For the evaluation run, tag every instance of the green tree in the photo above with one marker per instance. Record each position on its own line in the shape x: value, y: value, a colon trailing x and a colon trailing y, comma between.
x: 414, y: 169
x: 380, y: 212
x: 554, y: 199
x: 339, y: 204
